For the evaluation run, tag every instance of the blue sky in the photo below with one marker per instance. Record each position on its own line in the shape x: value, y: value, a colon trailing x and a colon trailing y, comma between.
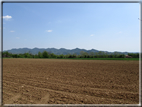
x: 102, y: 26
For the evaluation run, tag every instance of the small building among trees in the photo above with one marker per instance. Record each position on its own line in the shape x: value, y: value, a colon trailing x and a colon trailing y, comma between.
x: 127, y: 56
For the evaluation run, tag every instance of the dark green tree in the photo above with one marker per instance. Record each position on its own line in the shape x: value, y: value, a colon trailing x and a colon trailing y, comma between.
x: 45, y: 54
x: 40, y: 55
x: 27, y: 55
x: 7, y: 54
x: 52, y: 55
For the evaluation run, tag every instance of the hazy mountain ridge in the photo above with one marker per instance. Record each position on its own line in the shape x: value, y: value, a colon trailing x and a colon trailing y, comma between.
x: 56, y: 51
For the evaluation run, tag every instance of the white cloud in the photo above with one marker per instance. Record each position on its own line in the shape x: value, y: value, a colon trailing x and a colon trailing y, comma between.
x: 7, y: 17
x: 12, y: 31
x: 92, y: 35
x: 48, y: 30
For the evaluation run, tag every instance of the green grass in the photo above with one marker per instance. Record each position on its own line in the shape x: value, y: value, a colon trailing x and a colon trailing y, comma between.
x: 88, y: 58
x: 100, y: 58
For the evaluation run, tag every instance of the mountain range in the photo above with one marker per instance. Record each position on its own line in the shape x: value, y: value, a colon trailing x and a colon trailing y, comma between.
x: 56, y: 51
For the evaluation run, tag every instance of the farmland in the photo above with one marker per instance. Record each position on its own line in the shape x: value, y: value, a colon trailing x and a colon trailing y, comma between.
x: 64, y: 81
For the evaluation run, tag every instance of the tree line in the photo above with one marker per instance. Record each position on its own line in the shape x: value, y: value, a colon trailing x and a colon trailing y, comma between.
x: 82, y: 54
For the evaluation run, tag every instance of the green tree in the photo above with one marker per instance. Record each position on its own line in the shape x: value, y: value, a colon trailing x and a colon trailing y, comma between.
x: 21, y: 56
x: 52, y: 55
x: 74, y: 55
x: 84, y: 54
x: 106, y: 55
x: 39, y: 55
x: 100, y: 53
x: 14, y: 55
x: 116, y: 54
x: 134, y: 55
x: 36, y: 56
x: 61, y: 56
x: 96, y: 55
x: 45, y: 54
x: 27, y: 55
x: 92, y: 54
x: 7, y: 54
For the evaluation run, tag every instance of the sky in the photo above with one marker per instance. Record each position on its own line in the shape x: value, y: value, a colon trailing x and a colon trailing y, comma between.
x: 101, y: 26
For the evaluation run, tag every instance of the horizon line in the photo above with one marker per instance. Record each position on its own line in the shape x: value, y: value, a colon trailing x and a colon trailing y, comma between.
x: 71, y: 49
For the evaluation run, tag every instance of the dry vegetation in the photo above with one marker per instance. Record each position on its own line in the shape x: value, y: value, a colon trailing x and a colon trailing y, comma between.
x: 58, y: 81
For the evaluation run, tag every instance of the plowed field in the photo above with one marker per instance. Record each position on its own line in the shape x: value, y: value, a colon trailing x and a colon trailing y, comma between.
x: 58, y: 81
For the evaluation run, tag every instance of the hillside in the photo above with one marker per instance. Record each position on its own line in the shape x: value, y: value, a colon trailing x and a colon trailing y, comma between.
x: 56, y: 51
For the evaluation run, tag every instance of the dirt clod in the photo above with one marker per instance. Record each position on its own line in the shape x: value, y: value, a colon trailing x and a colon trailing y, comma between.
x: 26, y: 81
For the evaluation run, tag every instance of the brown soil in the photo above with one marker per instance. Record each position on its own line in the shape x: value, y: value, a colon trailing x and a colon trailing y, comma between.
x: 57, y: 81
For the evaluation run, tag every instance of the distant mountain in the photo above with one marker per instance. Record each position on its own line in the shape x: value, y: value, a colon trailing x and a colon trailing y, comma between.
x: 56, y: 51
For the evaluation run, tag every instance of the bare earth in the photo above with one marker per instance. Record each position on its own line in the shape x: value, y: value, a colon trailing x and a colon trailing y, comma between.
x: 58, y: 81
